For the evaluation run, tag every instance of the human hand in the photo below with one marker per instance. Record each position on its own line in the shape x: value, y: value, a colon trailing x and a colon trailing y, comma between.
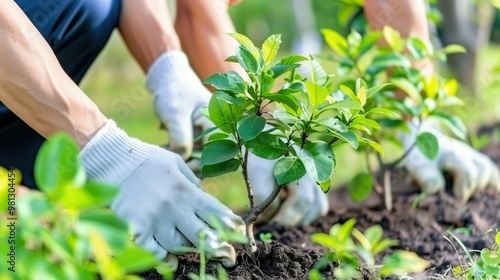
x: 471, y: 170
x: 178, y: 96
x: 159, y: 196
x: 304, y: 200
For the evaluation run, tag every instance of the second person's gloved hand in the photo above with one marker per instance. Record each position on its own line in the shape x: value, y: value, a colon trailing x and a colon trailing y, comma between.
x: 178, y: 95
x: 471, y: 170
x: 304, y: 202
x: 159, y: 195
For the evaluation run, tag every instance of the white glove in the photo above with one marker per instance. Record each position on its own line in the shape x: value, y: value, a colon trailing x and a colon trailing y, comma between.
x: 178, y: 96
x: 304, y: 202
x: 159, y: 196
x: 471, y: 170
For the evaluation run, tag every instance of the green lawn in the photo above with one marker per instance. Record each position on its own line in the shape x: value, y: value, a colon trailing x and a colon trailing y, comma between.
x: 116, y: 84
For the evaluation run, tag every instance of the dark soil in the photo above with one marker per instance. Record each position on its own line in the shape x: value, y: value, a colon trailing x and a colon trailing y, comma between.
x: 420, y: 229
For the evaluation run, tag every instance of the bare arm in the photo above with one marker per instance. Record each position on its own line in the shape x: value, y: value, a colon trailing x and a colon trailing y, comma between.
x: 202, y: 26
x: 147, y: 29
x: 406, y: 16
x: 35, y: 87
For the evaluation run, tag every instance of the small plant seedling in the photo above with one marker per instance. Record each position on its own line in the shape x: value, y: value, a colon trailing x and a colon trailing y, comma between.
x: 298, y: 124
x: 400, y: 99
x: 350, y: 253
x: 265, y: 237
x: 66, y: 230
x: 486, y: 266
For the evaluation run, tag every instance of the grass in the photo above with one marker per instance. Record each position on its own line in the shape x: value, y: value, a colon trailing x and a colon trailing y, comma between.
x: 116, y: 84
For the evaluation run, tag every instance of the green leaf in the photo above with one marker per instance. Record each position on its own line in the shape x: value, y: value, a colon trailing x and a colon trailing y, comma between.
x: 267, y: 146
x: 247, y: 43
x: 205, y: 133
x: 318, y: 74
x: 292, y: 60
x: 219, y: 151
x: 401, y: 262
x: 288, y: 169
x: 270, y: 48
x: 336, y: 41
x: 376, y: 146
x: 497, y: 238
x: 374, y: 234
x: 288, y: 100
x: 408, y: 88
x: 334, y: 123
x: 317, y: 94
x: 325, y: 186
x: 453, y: 48
x: 350, y: 93
x: 375, y: 89
x: 135, y: 259
x: 346, y: 230
x: 221, y: 114
x: 113, y: 229
x: 393, y: 38
x: 428, y: 144
x: 347, y: 272
x: 57, y: 165
x: 360, y: 187
x: 231, y: 81
x: 280, y: 69
x: 250, y: 126
x: 319, y: 160
x: 247, y: 60
x: 370, y: 123
x: 348, y: 137
x: 221, y: 168
x: 347, y: 104
x: 91, y: 195
x: 490, y: 257
x: 382, y: 111
x: 386, y: 61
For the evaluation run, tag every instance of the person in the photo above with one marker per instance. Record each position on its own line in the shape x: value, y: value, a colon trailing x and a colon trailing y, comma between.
x: 159, y: 195
x: 471, y: 170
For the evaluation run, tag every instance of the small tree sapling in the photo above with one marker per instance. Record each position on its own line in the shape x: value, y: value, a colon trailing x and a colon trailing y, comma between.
x: 278, y: 115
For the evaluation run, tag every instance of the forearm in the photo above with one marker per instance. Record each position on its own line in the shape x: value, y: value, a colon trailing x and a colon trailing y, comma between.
x: 407, y: 16
x: 202, y: 26
x: 147, y: 29
x: 35, y: 87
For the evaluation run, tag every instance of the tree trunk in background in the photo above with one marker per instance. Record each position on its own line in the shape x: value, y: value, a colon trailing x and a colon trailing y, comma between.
x: 467, y: 24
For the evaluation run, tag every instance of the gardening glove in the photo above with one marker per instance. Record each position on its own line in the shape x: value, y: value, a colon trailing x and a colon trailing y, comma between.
x: 159, y: 196
x: 303, y: 203
x: 178, y: 96
x: 471, y: 170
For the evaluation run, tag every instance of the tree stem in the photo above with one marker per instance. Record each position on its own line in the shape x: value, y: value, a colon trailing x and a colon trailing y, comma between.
x: 244, y: 169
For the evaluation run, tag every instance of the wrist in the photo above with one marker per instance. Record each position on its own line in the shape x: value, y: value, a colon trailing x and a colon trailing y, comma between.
x: 111, y: 155
x: 169, y: 67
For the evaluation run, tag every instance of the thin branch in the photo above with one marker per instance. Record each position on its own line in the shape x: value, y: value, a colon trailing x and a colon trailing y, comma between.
x: 247, y: 180
x: 387, y: 189
x: 254, y: 213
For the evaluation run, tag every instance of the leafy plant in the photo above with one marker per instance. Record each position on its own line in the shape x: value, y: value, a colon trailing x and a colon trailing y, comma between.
x: 405, y: 93
x: 279, y: 115
x: 352, y: 254
x: 486, y: 266
x: 66, y: 231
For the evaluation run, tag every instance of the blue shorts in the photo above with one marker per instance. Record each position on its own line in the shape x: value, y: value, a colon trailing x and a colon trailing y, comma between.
x: 77, y: 31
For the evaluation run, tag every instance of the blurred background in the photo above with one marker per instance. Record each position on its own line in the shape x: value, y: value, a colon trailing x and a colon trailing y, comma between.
x: 116, y: 83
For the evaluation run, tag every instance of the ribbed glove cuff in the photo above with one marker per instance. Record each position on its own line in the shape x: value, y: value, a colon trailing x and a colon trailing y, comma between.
x: 167, y: 68
x: 111, y: 155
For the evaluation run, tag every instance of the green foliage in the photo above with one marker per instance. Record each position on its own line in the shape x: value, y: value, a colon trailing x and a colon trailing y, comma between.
x: 391, y: 89
x: 352, y: 250
x: 298, y: 122
x: 265, y: 237
x: 486, y: 266
x: 66, y: 231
